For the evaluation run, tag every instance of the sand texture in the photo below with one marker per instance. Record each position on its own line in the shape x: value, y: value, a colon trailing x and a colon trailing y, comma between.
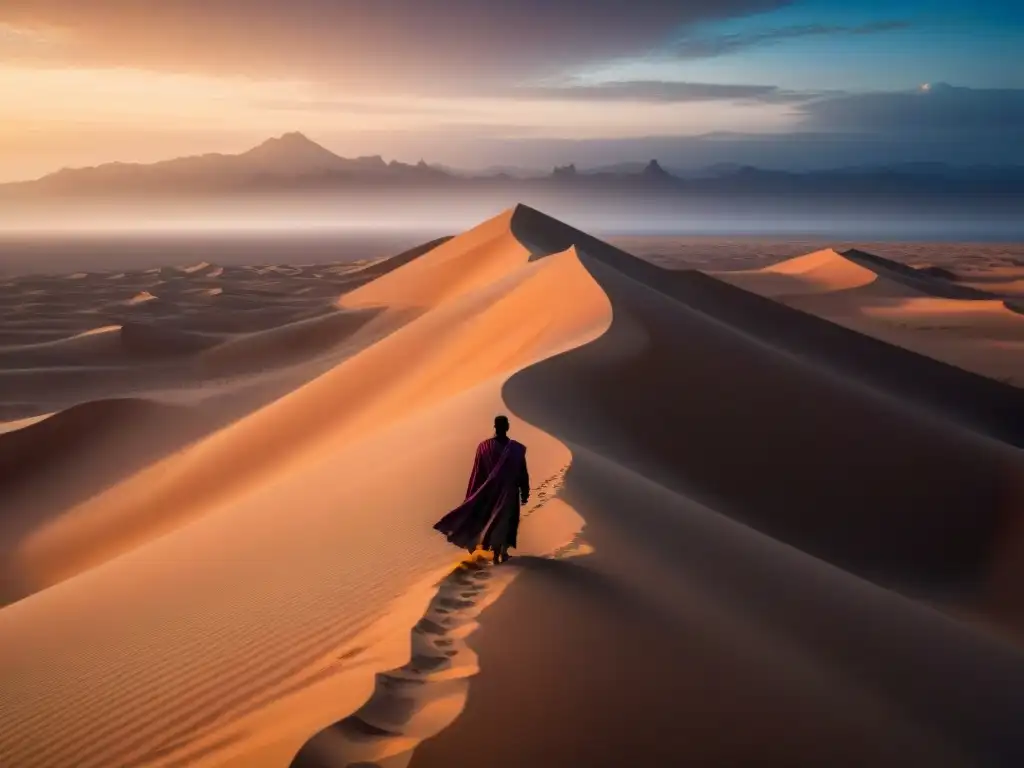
x: 763, y: 529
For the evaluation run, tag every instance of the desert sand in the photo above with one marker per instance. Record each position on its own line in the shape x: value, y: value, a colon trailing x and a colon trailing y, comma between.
x: 971, y: 320
x: 776, y: 514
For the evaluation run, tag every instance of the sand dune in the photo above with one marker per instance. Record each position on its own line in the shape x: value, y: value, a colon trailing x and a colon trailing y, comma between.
x: 820, y: 272
x: 131, y: 341
x: 786, y: 522
x: 66, y: 341
x: 957, y: 322
x: 311, y: 457
x: 689, y: 616
x: 1005, y: 281
x: 828, y: 271
x: 290, y: 342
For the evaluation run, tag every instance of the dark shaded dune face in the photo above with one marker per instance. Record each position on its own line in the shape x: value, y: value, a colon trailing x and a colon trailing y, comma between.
x: 984, y: 405
x: 41, y: 447
x: 101, y: 344
x: 932, y: 281
x: 800, y: 450
x: 940, y: 272
x: 49, y: 466
x: 141, y: 341
x: 131, y: 342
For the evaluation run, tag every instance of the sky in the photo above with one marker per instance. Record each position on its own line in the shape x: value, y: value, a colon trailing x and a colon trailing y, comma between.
x: 478, y: 83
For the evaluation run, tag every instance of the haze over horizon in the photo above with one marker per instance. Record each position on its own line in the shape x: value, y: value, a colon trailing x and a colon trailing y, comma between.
x: 803, y: 83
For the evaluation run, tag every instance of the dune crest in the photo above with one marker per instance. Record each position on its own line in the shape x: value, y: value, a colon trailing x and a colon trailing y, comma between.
x: 314, y: 472
x: 774, y: 505
x: 821, y: 272
x: 951, y: 321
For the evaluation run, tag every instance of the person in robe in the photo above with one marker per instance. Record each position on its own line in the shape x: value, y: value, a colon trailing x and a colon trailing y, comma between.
x: 499, y: 483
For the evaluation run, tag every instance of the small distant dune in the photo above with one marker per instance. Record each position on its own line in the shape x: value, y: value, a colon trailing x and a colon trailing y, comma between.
x: 1003, y: 280
x: 46, y: 443
x: 283, y: 344
x: 94, y: 345
x: 926, y: 310
x: 204, y: 292
x: 141, y: 298
x: 824, y: 271
x: 106, y: 345
x: 828, y: 272
x: 143, y: 340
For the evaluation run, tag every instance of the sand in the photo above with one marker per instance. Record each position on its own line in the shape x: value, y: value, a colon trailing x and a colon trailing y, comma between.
x: 973, y: 322
x: 756, y: 536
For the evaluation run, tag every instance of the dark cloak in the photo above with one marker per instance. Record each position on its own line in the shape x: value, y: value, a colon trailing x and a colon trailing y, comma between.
x: 489, y: 517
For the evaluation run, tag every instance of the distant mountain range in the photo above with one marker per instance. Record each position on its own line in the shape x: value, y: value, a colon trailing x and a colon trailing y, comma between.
x: 293, y: 163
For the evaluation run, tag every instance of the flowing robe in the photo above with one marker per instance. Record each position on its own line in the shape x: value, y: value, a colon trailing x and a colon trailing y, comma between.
x: 489, y: 517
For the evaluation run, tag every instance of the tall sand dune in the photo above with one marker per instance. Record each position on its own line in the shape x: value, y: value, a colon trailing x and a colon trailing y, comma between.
x: 261, y: 552
x: 746, y: 520
x: 670, y: 638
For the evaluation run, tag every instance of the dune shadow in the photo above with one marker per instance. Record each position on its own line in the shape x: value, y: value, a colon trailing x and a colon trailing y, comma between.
x: 697, y: 385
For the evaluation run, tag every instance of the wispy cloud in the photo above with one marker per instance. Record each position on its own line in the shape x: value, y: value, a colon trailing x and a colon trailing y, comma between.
x: 411, y: 43
x: 16, y: 41
x: 937, y: 110
x: 355, y: 107
x: 663, y: 92
x: 705, y: 46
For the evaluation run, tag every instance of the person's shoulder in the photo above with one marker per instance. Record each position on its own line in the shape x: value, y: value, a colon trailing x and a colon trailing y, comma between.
x: 485, y: 444
x: 519, y: 445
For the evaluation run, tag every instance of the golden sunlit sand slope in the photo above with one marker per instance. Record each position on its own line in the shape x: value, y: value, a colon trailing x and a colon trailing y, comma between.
x: 266, y: 547
x: 786, y: 524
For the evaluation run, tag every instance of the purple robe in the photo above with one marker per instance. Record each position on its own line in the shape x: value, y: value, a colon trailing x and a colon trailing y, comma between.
x: 489, y: 517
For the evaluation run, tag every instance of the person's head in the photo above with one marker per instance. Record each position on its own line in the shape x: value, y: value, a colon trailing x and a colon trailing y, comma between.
x: 501, y: 425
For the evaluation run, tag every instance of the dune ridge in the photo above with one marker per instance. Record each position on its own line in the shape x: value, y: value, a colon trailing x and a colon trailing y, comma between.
x: 949, y: 320
x: 417, y: 393
x: 714, y: 464
x: 772, y: 508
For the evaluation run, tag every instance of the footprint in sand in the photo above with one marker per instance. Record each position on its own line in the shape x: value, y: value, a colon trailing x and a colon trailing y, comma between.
x: 440, y: 655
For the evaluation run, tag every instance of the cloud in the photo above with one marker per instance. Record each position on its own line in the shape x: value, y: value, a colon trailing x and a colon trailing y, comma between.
x: 939, y: 110
x: 364, y: 44
x: 696, y: 46
x: 361, y: 108
x: 663, y: 92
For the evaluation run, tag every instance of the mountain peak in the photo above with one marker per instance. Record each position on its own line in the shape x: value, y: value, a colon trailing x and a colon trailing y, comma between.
x: 654, y: 169
x: 291, y: 145
x: 291, y: 139
x: 293, y: 151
